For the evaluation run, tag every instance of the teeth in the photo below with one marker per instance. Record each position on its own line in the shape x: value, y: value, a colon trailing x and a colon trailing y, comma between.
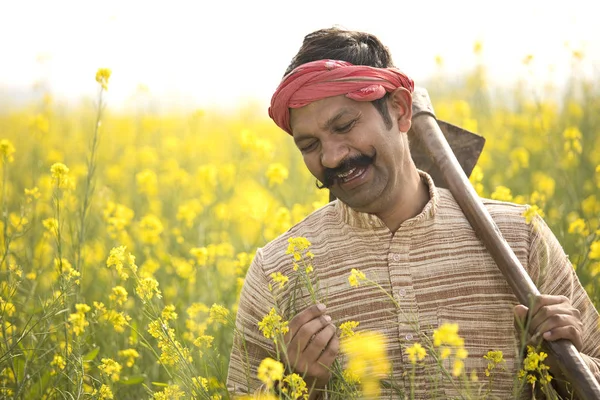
x: 345, y: 174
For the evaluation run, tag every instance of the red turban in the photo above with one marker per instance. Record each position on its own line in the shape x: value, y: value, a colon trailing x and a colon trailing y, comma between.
x: 319, y: 79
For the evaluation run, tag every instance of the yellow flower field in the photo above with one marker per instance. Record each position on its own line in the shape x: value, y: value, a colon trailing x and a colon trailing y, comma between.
x: 125, y: 239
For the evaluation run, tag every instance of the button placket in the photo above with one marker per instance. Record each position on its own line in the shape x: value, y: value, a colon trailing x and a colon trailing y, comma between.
x: 403, y: 293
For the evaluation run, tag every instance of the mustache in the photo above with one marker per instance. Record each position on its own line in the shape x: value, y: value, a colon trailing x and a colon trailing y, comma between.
x: 330, y: 174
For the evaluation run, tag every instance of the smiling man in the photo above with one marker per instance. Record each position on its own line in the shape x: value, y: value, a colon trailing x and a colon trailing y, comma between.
x: 349, y: 110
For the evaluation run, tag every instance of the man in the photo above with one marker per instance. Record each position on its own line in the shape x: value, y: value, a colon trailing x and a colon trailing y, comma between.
x: 349, y: 111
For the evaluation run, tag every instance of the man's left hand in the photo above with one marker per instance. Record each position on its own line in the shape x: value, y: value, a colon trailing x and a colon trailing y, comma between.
x: 552, y: 318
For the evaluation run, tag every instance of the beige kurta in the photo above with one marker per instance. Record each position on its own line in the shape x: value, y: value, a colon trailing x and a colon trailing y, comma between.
x: 436, y: 269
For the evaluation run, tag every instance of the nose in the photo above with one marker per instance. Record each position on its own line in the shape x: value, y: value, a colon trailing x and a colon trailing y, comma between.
x: 333, y: 152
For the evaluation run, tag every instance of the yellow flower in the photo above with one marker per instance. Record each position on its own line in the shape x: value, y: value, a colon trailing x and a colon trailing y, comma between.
x: 272, y: 325
x: 347, y: 328
x: 445, y: 353
x: 119, y: 320
x: 51, y: 225
x: 168, y: 313
x: 148, y: 288
x: 6, y: 308
x: 77, y: 320
x: 534, y: 367
x: 276, y: 173
x: 150, y: 229
x: 32, y: 194
x: 416, y: 352
x: 218, y: 314
x: 15, y: 269
x: 147, y: 182
x: 102, y: 76
x: 356, y: 277
x: 447, y: 334
x: 119, y: 295
x: 201, y: 254
x: 171, y: 392
x: 461, y: 353
x: 572, y: 133
x: 531, y: 212
x: 7, y: 150
x: 110, y: 368
x: 579, y: 227
x: 270, y: 371
x: 595, y: 250
x: 458, y: 367
x: 544, y: 183
x: 200, y: 382
x: 59, y: 170
x: 278, y: 277
x: 204, y: 341
x: 350, y: 377
x: 294, y: 386
x: 64, y: 267
x: 494, y: 359
x: 130, y: 355
x: 367, y: 359
x: 104, y: 393
x: 297, y: 247
x: 60, y: 176
x: 117, y: 259
x: 58, y: 362
x: 502, y: 193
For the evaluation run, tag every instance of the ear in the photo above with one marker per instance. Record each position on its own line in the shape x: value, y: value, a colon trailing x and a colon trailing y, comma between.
x: 401, y: 104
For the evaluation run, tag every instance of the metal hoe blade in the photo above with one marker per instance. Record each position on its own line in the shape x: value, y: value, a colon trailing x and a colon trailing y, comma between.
x: 465, y: 145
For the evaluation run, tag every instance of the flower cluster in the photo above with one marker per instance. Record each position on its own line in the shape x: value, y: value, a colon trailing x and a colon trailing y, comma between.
x: 447, y: 341
x: 273, y: 326
x: 367, y: 361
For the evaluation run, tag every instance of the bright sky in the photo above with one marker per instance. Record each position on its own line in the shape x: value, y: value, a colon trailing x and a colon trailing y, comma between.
x: 220, y: 52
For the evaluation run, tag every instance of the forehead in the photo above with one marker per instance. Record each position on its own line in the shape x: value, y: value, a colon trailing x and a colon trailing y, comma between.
x: 317, y: 114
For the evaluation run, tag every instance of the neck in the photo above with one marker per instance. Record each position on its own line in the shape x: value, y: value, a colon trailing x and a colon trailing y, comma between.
x: 408, y: 204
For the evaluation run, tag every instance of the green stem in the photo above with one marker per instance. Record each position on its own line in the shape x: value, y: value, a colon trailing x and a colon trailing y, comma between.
x: 89, y: 188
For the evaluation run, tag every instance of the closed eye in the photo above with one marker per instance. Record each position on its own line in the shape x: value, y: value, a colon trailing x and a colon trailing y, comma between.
x: 346, y: 127
x: 308, y: 147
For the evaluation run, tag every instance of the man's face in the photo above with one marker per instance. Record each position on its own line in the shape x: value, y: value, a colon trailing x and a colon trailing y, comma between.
x: 346, y: 146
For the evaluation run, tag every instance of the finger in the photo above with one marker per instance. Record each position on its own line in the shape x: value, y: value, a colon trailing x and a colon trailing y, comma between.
x: 309, y: 331
x: 544, y: 300
x: 313, y: 350
x: 520, y: 312
x: 330, y: 353
x: 570, y: 332
x: 302, y: 318
x: 553, y: 315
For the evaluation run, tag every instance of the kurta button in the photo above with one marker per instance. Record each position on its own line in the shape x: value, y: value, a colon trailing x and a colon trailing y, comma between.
x: 409, y: 336
x: 402, y: 292
x: 396, y: 257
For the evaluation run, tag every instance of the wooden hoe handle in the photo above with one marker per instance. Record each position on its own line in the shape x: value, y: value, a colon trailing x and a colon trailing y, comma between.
x: 427, y: 130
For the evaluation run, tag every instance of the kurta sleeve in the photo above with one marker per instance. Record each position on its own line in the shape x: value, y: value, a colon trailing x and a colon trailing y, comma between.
x: 250, y: 347
x: 555, y: 275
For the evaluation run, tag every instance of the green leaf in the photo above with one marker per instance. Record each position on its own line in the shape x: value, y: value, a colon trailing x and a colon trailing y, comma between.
x: 91, y: 355
x: 133, y: 380
x: 161, y: 384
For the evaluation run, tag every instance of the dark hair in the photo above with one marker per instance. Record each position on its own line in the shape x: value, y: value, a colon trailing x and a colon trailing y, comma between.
x: 358, y: 48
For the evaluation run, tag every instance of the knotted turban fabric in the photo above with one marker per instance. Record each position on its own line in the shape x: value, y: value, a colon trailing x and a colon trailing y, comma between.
x: 319, y: 79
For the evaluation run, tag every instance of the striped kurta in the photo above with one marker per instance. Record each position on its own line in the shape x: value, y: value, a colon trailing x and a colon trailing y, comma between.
x: 437, y: 270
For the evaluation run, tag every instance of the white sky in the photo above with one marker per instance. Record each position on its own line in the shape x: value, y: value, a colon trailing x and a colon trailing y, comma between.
x: 220, y: 53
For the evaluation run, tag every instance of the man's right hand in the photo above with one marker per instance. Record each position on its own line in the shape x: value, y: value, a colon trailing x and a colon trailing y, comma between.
x: 312, y: 345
